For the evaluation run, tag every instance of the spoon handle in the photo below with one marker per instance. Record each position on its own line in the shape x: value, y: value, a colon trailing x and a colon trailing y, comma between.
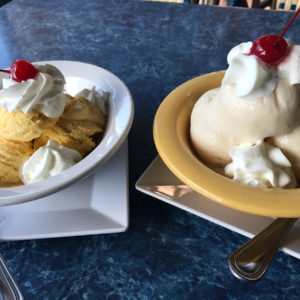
x: 251, y: 261
x: 9, y: 290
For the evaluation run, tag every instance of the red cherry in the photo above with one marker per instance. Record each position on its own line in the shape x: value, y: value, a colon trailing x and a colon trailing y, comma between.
x: 271, y: 49
x: 21, y: 70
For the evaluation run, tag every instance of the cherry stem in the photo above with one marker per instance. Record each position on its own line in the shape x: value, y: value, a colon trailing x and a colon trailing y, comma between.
x: 287, y: 27
x: 5, y: 71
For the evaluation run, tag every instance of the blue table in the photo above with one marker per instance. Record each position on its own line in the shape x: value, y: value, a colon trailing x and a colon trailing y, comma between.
x: 166, y: 253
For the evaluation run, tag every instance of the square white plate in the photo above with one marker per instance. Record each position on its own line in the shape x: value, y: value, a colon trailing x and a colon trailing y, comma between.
x: 97, y: 204
x: 158, y: 181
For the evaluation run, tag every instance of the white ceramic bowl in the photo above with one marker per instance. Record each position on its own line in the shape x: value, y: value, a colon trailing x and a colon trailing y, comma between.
x: 121, y: 110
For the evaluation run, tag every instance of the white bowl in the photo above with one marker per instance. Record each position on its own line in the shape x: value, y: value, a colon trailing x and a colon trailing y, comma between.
x: 121, y: 110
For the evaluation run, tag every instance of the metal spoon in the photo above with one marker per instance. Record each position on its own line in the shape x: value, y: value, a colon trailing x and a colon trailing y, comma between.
x: 251, y: 261
x: 9, y: 290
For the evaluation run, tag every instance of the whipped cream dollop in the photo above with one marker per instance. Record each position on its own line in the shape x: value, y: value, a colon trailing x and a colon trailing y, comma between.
x: 48, y: 161
x: 253, y: 78
x: 44, y: 93
x: 260, y: 165
x: 98, y: 98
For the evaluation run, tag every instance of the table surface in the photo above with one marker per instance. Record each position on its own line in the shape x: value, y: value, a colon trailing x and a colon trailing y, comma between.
x: 166, y: 253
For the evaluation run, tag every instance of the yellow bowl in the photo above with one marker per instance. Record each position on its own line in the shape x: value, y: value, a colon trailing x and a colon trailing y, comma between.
x: 172, y: 140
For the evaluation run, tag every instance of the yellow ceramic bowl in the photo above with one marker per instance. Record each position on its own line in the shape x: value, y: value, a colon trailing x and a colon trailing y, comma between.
x: 172, y: 140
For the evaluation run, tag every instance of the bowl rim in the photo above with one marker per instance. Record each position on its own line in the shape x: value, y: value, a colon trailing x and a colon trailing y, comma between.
x: 102, y: 152
x: 189, y: 169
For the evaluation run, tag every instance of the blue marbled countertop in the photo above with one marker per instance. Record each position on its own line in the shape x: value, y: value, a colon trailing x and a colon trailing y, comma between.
x: 166, y: 253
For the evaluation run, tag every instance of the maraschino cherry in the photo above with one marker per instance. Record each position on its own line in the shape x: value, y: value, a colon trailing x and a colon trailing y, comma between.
x: 21, y: 70
x: 272, y: 48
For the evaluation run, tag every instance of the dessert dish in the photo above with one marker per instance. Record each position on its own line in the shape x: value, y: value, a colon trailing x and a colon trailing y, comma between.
x: 171, y: 132
x: 43, y: 130
x: 249, y: 127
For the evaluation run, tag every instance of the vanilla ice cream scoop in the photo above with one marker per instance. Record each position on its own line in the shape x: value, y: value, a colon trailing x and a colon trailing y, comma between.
x: 48, y: 161
x: 44, y: 93
x: 221, y: 120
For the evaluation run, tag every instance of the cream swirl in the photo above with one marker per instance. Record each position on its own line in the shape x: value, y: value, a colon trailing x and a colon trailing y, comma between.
x: 260, y: 165
x: 253, y: 78
x: 48, y: 161
x: 44, y: 93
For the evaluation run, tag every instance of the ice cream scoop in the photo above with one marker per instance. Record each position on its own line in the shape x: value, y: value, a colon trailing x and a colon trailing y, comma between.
x: 12, y: 156
x: 77, y: 126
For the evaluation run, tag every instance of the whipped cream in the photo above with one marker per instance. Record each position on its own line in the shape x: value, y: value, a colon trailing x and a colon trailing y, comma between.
x: 98, y: 98
x: 260, y: 165
x: 253, y: 78
x: 48, y: 161
x: 290, y: 67
x: 44, y: 93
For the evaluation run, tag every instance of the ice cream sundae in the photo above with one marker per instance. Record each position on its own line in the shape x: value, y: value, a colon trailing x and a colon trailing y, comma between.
x: 249, y: 127
x: 43, y: 130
